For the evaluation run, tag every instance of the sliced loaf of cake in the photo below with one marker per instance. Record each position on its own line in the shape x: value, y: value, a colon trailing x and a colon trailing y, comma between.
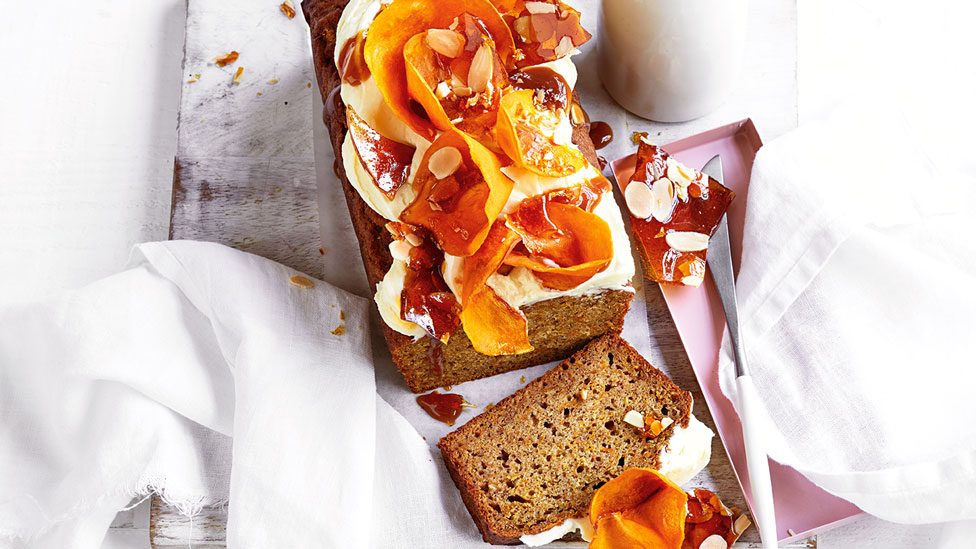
x: 536, y: 458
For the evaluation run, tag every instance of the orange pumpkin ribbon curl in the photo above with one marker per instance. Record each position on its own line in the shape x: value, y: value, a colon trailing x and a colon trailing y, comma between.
x: 400, y: 21
x: 458, y: 207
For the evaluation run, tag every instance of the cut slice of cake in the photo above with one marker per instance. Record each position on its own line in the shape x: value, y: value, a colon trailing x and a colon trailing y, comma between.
x: 527, y: 468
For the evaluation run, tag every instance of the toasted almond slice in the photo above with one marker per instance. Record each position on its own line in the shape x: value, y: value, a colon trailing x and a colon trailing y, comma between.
x: 694, y: 281
x: 687, y: 241
x: 301, y: 282
x: 444, y: 162
x: 564, y: 47
x: 462, y: 91
x: 522, y: 27
x: 662, y: 199
x: 666, y: 422
x: 445, y: 42
x: 540, y: 7
x: 442, y: 90
x: 414, y: 240
x: 635, y: 418
x: 714, y: 541
x: 638, y: 197
x: 481, y: 68
x: 741, y: 523
x: 238, y: 74
x: 679, y: 173
x: 400, y: 249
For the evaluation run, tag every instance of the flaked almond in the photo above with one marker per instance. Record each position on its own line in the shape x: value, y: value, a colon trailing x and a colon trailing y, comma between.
x: 564, y: 47
x: 576, y: 115
x: 540, y: 7
x: 687, y: 241
x: 481, y: 68
x: 442, y: 90
x: 444, y: 162
x: 462, y: 91
x: 666, y: 422
x: 414, y: 239
x: 694, y: 281
x: 238, y: 75
x: 714, y: 541
x: 741, y: 523
x: 301, y: 282
x: 445, y: 42
x: 682, y: 175
x: 288, y: 9
x: 662, y: 199
x: 638, y: 197
x: 635, y: 418
x: 523, y: 27
x: 400, y: 249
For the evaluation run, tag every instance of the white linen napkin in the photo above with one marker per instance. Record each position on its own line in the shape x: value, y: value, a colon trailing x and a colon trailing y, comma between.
x: 857, y: 312
x: 203, y: 374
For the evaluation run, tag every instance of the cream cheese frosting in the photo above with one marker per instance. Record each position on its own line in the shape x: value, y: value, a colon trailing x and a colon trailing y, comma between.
x: 581, y: 525
x: 520, y: 287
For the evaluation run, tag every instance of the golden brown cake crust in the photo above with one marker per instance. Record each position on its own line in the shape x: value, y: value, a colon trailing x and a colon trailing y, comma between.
x: 557, y: 327
x: 536, y: 458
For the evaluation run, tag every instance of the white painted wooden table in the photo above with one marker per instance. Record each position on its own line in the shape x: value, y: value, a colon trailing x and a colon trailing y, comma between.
x: 88, y: 137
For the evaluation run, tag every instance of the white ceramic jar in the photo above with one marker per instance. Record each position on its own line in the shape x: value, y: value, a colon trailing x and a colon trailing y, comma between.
x: 671, y: 60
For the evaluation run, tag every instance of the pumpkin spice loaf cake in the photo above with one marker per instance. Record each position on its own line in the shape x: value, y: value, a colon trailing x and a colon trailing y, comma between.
x: 491, y: 238
x: 528, y: 467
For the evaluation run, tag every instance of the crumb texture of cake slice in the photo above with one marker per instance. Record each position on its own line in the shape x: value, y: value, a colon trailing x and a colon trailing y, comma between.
x: 537, y: 457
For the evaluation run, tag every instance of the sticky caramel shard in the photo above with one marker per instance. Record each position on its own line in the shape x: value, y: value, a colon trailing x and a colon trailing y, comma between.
x: 684, y: 206
x: 386, y: 161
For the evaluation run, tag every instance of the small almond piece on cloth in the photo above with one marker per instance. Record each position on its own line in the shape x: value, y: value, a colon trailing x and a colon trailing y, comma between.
x: 481, y: 69
x: 638, y: 198
x: 444, y: 162
x: 301, y: 282
x: 687, y: 241
x: 634, y: 418
x: 445, y: 42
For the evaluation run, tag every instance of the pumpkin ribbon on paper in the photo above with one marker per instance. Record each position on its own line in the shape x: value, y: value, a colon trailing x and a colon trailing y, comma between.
x: 400, y: 21
x: 640, y: 509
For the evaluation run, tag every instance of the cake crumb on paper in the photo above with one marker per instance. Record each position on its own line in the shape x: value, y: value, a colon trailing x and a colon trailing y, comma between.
x: 340, y: 330
x: 237, y: 75
x: 301, y: 282
x: 273, y: 81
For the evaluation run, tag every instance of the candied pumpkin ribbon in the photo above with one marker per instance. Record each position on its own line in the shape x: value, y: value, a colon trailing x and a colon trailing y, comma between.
x: 519, y: 133
x: 564, y: 245
x: 456, y: 75
x: 386, y: 161
x: 459, y: 207
x: 640, y: 509
x: 493, y: 326
x: 400, y: 21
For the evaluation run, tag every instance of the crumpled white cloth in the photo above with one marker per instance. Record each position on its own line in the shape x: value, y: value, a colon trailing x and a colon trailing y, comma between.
x: 202, y: 373
x: 858, y: 312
